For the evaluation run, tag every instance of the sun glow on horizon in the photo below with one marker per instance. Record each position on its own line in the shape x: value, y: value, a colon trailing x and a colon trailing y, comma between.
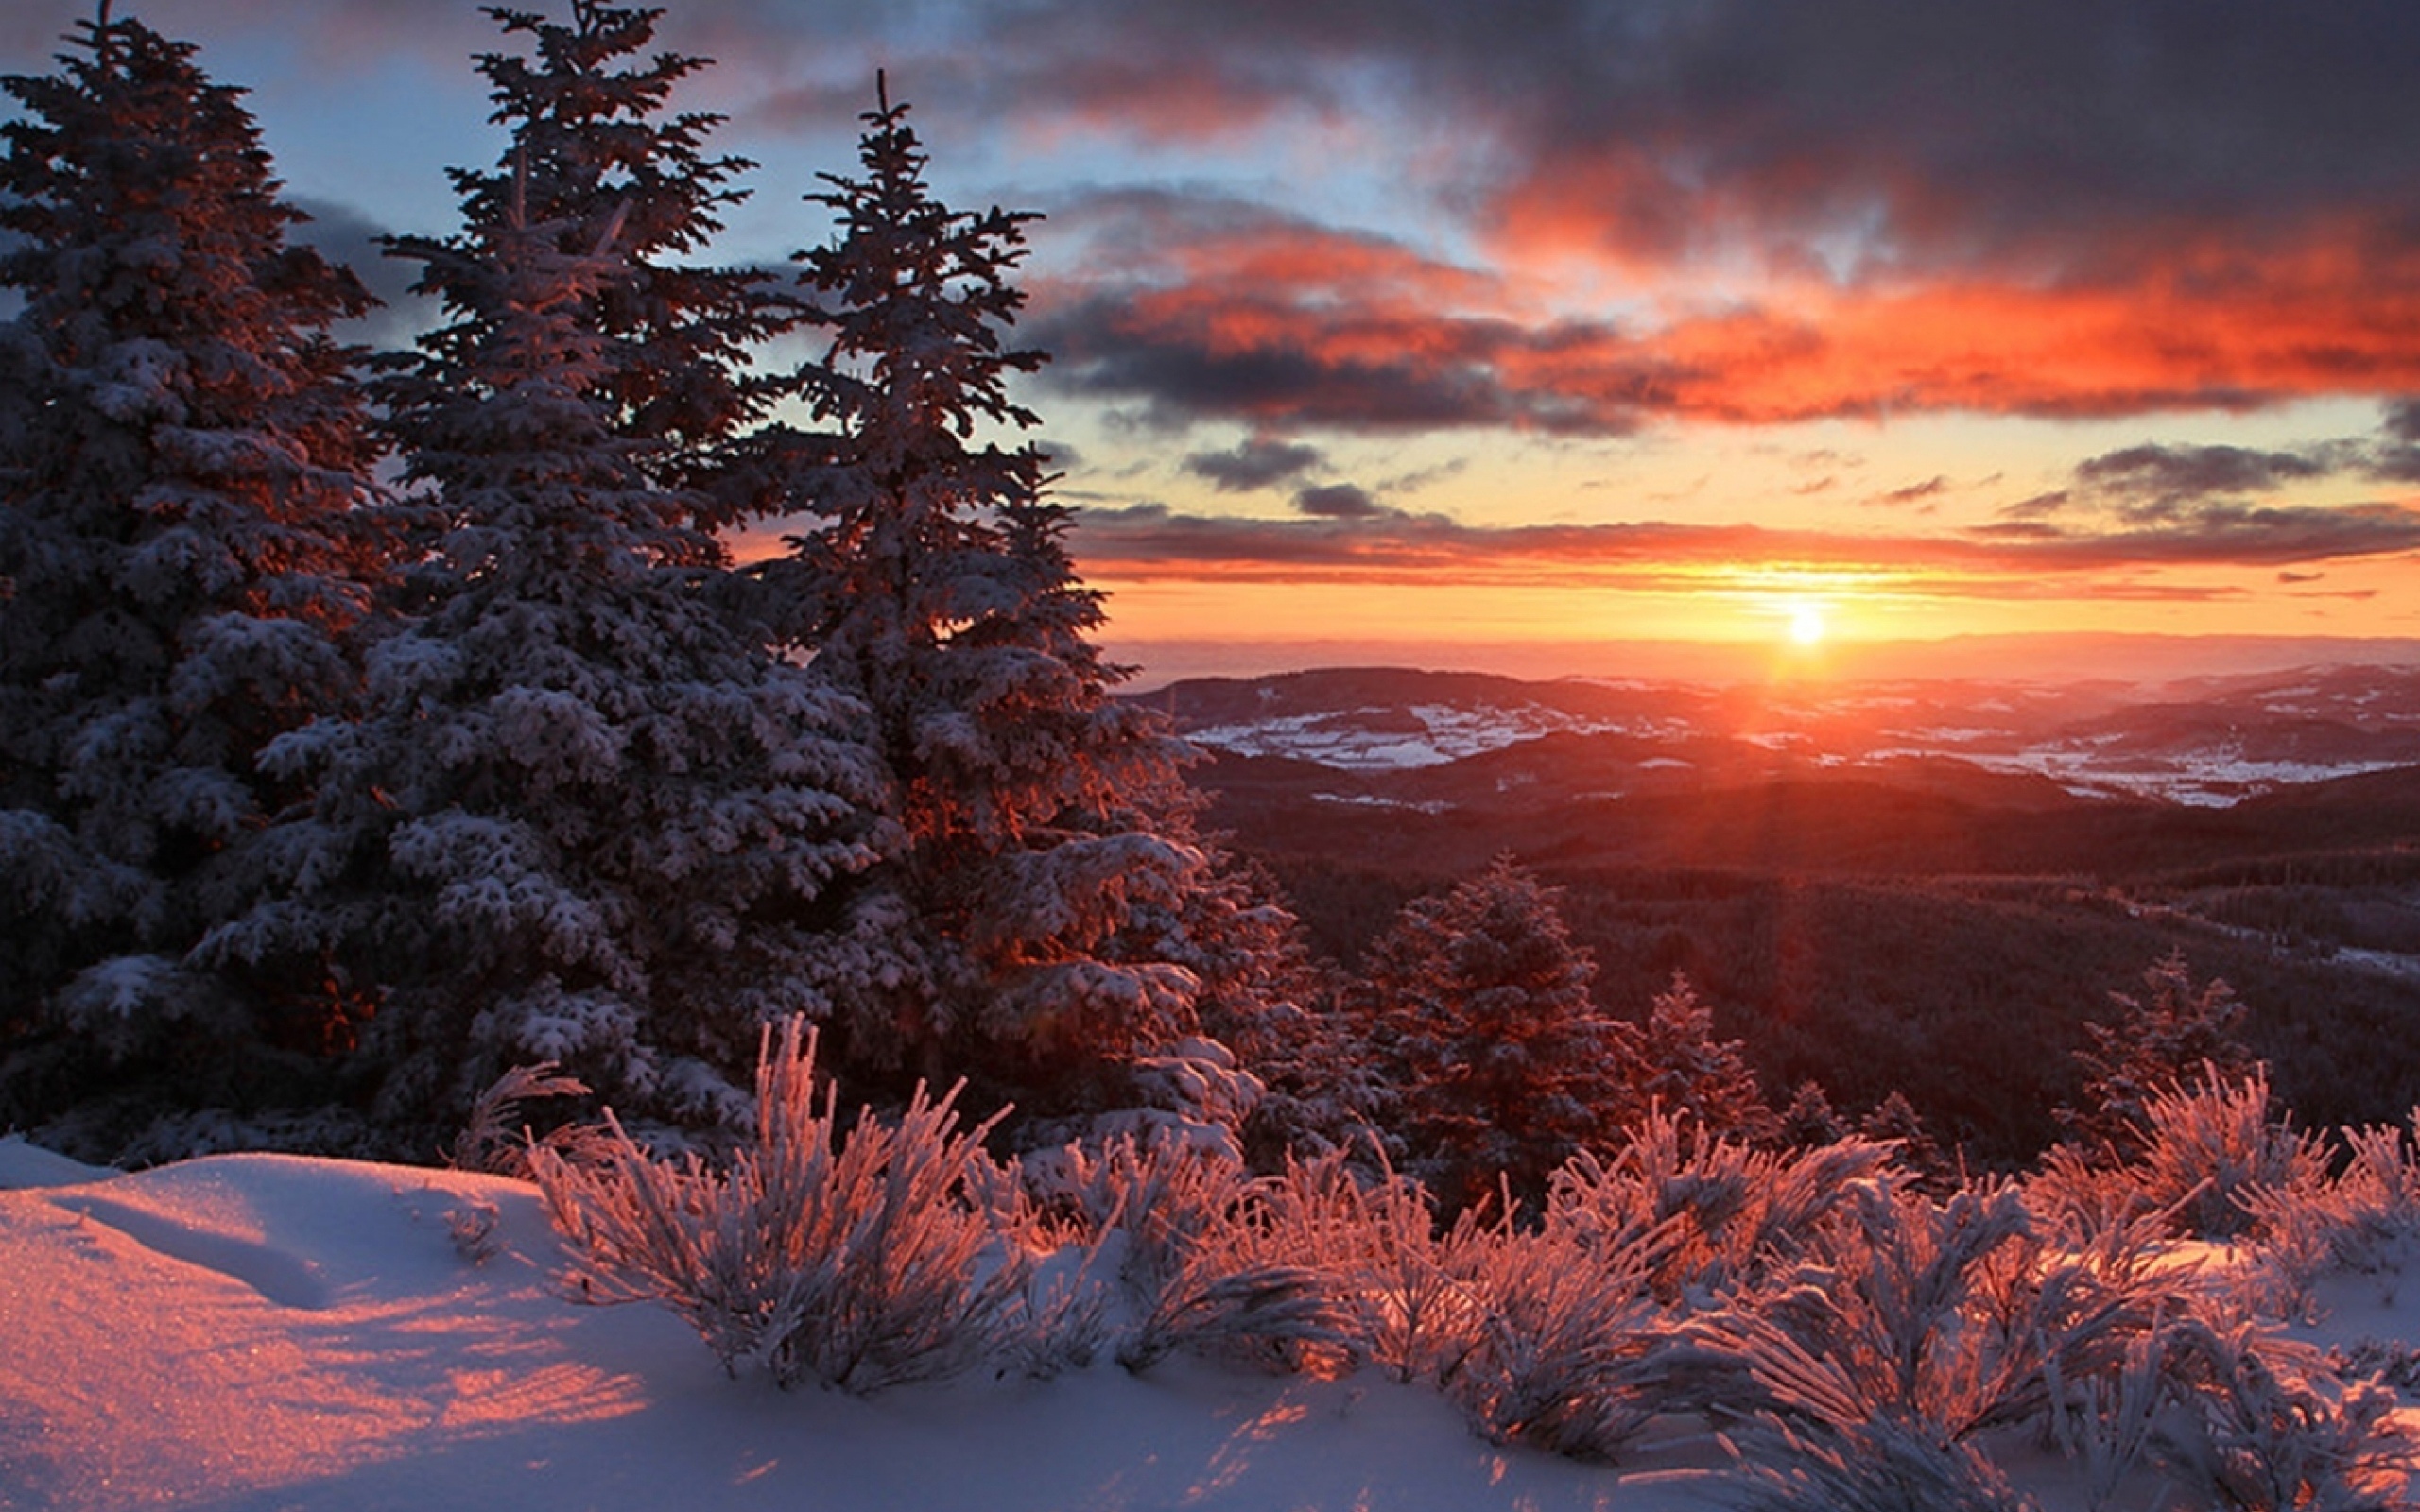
x: 1806, y: 624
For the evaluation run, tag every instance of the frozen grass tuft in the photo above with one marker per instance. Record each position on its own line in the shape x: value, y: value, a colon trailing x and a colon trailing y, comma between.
x: 2268, y: 1427
x: 859, y: 1263
x: 1955, y: 1316
x: 1885, y: 1465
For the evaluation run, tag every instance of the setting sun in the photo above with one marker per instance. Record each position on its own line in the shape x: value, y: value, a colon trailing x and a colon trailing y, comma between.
x: 1806, y: 624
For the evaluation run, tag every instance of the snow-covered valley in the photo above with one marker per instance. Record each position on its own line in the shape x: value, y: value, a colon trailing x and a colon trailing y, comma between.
x: 2211, y: 742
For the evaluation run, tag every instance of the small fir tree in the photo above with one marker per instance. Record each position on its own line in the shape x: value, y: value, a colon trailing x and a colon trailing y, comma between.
x: 1034, y: 816
x: 1895, y: 1121
x: 2177, y: 1034
x: 1673, y: 1064
x: 1810, y: 1122
x: 183, y: 557
x: 1477, y: 1007
x: 583, y: 820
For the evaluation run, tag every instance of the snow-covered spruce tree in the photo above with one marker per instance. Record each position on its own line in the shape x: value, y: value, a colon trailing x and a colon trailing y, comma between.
x: 1032, y: 813
x: 1478, y: 1009
x: 2178, y: 1033
x: 1674, y: 1065
x: 595, y: 144
x: 583, y: 820
x: 1264, y: 995
x: 184, y: 463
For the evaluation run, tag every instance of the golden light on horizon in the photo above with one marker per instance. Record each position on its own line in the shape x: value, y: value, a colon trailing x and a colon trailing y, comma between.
x: 1806, y: 624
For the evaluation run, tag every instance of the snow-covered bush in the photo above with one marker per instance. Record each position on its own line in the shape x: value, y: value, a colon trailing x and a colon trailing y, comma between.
x: 1739, y: 1208
x: 2210, y: 1160
x: 1204, y: 1261
x: 493, y: 1139
x: 2268, y: 1427
x: 1885, y: 1465
x: 2366, y: 1216
x: 1572, y: 1352
x: 1954, y: 1315
x: 2213, y: 1145
x: 2104, y: 1424
x: 859, y: 1262
x: 1416, y: 1312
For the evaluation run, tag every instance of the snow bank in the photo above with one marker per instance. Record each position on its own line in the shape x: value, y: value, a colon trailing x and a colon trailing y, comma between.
x: 269, y: 1332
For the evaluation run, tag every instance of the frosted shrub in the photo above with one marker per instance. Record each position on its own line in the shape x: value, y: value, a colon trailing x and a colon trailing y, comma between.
x: 1268, y: 1313
x: 1739, y: 1208
x: 2216, y: 1138
x: 2077, y: 1200
x: 2271, y: 1429
x: 490, y: 1141
x: 1885, y: 1465
x: 1571, y: 1352
x: 1950, y: 1315
x: 2366, y: 1217
x: 1203, y: 1265
x: 471, y: 1224
x: 2375, y: 1201
x: 1414, y: 1310
x: 1194, y: 1257
x: 2104, y: 1424
x: 857, y: 1264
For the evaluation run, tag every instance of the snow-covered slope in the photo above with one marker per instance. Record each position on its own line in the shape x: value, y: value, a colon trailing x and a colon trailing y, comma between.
x: 267, y: 1331
x: 263, y: 1331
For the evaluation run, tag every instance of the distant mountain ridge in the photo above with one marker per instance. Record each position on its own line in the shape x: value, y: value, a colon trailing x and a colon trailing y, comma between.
x: 2211, y: 741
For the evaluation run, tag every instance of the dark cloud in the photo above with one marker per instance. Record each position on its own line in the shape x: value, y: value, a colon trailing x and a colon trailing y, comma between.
x: 1308, y: 365
x: 2395, y: 456
x: 1146, y: 540
x: 1204, y: 307
x: 1197, y: 308
x: 2153, y: 482
x: 1259, y: 462
x: 2040, y: 506
x: 2075, y: 140
x: 1419, y: 478
x: 1931, y: 488
x: 1338, y: 501
x: 2061, y: 208
x: 2234, y: 534
x: 1891, y: 134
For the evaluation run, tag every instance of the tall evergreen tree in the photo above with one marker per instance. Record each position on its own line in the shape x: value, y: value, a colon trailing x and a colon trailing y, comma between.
x: 1477, y: 1007
x: 182, y: 557
x: 583, y: 819
x: 1033, y: 811
x: 595, y: 146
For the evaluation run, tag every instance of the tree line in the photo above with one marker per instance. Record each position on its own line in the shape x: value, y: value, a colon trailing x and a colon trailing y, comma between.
x: 372, y: 722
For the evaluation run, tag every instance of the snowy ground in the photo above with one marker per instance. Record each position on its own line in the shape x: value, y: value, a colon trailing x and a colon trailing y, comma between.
x: 271, y: 1332
x: 267, y: 1331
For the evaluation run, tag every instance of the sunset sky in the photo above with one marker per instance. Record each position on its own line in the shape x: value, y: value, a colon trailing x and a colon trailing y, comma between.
x: 1400, y: 324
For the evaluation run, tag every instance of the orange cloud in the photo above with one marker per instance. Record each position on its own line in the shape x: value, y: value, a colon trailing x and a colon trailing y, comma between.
x: 1277, y: 322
